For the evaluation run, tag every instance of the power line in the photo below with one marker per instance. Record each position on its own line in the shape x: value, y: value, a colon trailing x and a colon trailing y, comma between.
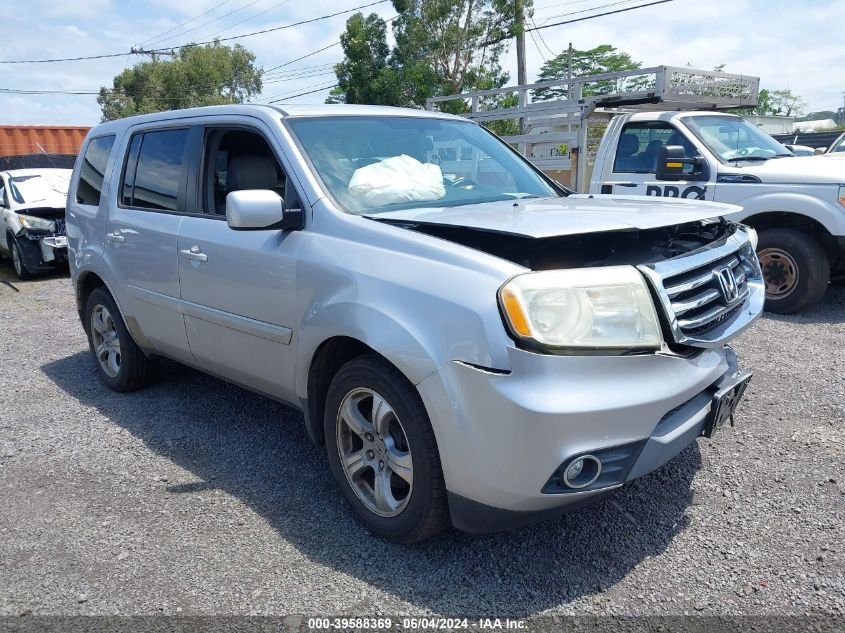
x: 540, y: 35
x: 196, y: 17
x: 601, y: 6
x: 288, y: 63
x: 260, y: 13
x: 204, y: 24
x: 319, y: 50
x: 302, y: 94
x: 598, y: 15
x: 222, y: 39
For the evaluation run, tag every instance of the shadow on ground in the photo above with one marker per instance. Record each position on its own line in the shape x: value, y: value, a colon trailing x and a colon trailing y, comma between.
x: 831, y: 309
x: 257, y: 451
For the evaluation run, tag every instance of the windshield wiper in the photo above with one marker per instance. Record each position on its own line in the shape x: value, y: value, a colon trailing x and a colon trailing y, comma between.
x: 756, y: 158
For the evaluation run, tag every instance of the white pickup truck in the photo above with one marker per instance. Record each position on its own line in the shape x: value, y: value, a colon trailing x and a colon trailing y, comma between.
x: 797, y: 204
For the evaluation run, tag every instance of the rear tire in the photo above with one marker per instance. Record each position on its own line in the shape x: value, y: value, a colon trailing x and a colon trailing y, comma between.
x: 392, y: 450
x: 795, y: 268
x: 120, y: 363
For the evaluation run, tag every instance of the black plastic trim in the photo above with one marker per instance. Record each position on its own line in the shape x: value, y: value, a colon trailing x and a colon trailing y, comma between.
x: 478, y: 518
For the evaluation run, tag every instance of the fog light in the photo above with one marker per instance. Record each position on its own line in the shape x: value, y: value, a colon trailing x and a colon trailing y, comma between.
x: 582, y: 471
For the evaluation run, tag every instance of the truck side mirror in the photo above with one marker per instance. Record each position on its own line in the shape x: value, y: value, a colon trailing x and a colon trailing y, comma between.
x: 672, y: 164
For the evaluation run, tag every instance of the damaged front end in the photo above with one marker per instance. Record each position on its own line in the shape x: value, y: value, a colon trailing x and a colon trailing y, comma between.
x: 41, y: 237
x: 703, y: 275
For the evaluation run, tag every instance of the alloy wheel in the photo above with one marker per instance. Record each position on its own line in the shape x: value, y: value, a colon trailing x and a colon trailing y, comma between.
x: 105, y: 340
x: 374, y: 452
x: 16, y: 260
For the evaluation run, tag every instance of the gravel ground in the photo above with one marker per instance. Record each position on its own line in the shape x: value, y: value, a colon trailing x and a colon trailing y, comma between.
x: 196, y: 497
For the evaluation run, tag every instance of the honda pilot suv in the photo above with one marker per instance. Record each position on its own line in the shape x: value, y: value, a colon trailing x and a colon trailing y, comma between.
x: 472, y: 343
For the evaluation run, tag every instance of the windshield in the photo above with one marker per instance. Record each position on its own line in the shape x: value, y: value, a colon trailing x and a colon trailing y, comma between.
x: 732, y: 138
x: 838, y: 145
x: 39, y: 187
x: 383, y: 163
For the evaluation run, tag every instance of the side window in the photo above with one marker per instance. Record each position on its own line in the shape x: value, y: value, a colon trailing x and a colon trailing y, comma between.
x: 236, y: 160
x: 91, y: 172
x: 640, y: 143
x: 154, y: 170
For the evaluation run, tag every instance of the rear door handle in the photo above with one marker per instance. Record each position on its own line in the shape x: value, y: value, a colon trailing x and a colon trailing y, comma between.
x: 626, y: 184
x: 194, y: 253
x: 115, y: 237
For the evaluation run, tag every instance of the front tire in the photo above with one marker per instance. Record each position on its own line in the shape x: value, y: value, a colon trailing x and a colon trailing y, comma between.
x: 382, y: 451
x: 18, y: 262
x: 121, y: 364
x: 796, y: 270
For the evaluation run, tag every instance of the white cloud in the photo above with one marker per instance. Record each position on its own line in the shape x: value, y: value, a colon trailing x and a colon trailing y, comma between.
x: 786, y: 44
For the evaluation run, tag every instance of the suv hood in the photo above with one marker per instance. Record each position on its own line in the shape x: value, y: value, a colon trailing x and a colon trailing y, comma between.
x: 573, y: 215
x: 795, y: 169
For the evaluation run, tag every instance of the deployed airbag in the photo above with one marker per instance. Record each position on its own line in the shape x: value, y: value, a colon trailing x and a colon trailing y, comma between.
x: 396, y: 180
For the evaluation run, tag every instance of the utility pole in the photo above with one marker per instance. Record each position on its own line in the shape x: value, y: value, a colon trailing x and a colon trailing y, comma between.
x: 519, y: 23
x: 569, y: 71
x: 521, y: 75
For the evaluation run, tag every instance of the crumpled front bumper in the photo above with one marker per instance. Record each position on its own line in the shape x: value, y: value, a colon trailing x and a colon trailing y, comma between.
x: 502, y: 435
x: 40, y: 252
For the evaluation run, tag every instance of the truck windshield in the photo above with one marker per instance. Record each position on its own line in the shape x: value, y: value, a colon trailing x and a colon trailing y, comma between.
x: 732, y: 138
x: 372, y: 164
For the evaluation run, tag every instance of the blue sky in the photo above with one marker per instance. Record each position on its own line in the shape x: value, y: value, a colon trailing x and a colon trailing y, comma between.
x: 789, y: 44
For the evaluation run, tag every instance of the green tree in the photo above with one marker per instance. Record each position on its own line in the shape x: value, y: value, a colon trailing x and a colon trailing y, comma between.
x: 364, y: 75
x: 785, y: 103
x: 442, y: 47
x: 774, y: 103
x: 196, y: 76
x: 595, y: 61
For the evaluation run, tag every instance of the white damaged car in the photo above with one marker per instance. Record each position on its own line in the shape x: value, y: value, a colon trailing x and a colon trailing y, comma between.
x: 32, y: 219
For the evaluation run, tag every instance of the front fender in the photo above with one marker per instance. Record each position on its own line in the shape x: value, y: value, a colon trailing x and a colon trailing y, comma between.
x: 827, y: 213
x: 398, y: 341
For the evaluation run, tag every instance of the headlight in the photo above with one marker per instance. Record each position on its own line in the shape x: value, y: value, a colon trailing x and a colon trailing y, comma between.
x: 587, y: 308
x: 36, y: 224
x: 752, y: 236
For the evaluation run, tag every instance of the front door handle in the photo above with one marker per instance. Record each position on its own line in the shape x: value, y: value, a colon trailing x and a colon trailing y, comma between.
x: 626, y: 184
x: 115, y: 237
x: 194, y: 253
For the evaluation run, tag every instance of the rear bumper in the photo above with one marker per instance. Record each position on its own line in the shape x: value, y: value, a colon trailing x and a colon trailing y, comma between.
x: 502, y: 437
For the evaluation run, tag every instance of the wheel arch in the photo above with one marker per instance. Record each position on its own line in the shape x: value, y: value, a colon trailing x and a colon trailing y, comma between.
x: 327, y: 359
x: 86, y: 283
x: 792, y: 220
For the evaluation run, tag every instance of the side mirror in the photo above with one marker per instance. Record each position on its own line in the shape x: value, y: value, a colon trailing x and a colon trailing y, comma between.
x: 820, y: 150
x: 260, y: 210
x: 672, y: 164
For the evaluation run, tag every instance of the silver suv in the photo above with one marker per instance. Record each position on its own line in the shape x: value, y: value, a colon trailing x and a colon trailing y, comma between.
x: 472, y: 342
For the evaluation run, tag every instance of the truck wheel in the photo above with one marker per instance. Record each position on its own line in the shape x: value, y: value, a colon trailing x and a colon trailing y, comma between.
x: 18, y: 262
x: 120, y: 362
x: 795, y: 270
x: 383, y: 453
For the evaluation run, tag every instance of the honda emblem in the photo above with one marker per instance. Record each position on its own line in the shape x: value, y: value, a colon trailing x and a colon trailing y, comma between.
x: 727, y: 284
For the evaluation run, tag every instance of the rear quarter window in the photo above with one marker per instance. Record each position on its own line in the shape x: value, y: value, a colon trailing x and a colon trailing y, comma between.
x: 93, y: 168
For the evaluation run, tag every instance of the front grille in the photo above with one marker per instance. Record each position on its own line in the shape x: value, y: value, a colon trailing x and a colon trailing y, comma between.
x: 698, y: 299
x: 709, y: 295
x: 61, y: 227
